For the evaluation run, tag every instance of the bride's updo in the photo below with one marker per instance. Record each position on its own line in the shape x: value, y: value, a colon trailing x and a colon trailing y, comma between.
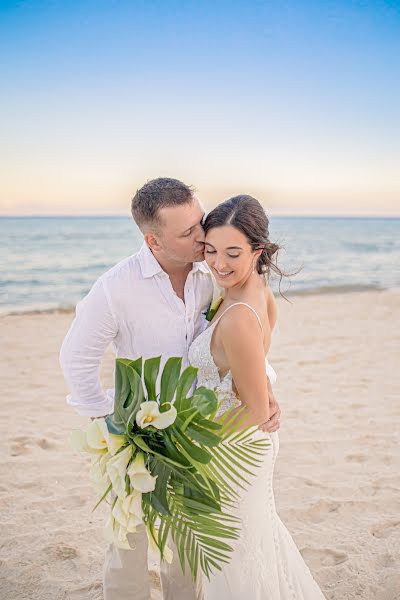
x: 248, y: 216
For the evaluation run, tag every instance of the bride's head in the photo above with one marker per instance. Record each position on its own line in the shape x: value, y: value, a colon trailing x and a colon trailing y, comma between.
x: 237, y: 245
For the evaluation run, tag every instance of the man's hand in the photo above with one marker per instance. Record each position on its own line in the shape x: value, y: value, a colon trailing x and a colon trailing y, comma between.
x: 273, y: 424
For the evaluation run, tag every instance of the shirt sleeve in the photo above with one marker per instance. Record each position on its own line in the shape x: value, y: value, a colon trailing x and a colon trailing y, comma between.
x: 91, y: 332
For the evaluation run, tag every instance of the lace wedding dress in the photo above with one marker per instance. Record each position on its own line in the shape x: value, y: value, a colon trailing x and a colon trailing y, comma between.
x: 265, y: 563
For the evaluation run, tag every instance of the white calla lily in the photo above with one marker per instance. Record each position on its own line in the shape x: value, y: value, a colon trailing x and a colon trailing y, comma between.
x: 132, y: 504
x: 96, y: 434
x: 98, y: 473
x: 115, y: 534
x: 149, y: 414
x: 78, y: 441
x: 218, y: 293
x: 128, y: 512
x: 115, y: 442
x: 116, y: 468
x: 141, y: 479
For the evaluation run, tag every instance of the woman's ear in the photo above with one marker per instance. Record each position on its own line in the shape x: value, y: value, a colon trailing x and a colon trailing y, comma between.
x: 259, y: 251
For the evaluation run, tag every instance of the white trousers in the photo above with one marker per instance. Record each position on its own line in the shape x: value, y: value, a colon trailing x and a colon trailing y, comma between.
x: 126, y: 573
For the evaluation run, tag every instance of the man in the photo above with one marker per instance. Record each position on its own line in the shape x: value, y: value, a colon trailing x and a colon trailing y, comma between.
x: 150, y: 304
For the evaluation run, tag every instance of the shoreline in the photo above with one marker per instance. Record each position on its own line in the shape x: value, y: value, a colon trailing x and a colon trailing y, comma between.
x: 321, y: 291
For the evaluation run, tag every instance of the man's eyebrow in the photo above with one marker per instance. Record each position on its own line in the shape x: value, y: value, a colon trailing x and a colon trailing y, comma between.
x: 191, y: 227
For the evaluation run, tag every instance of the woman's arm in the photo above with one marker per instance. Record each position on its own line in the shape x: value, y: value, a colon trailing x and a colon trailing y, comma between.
x: 242, y: 340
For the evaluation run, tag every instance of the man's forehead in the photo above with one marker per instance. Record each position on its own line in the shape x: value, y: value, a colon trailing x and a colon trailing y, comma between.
x: 187, y: 214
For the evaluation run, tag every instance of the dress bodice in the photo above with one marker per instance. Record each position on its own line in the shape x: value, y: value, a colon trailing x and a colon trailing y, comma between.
x: 208, y: 374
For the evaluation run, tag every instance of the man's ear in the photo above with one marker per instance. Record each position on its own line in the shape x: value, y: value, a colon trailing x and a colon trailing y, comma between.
x: 152, y: 241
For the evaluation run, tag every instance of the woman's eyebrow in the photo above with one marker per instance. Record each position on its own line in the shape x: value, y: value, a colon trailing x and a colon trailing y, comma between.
x: 228, y: 248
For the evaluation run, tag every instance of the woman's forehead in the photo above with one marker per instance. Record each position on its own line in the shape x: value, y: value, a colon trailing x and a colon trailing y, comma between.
x: 225, y: 236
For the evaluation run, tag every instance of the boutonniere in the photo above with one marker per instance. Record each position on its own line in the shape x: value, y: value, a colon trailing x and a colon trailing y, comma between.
x: 218, y: 296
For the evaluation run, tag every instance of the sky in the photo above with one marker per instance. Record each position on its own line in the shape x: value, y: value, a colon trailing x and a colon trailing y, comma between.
x: 294, y: 102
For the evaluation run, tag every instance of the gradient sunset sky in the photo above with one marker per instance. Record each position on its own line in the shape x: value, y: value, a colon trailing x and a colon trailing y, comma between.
x: 297, y: 103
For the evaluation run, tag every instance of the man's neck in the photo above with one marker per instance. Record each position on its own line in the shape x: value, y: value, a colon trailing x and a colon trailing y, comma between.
x: 173, y: 269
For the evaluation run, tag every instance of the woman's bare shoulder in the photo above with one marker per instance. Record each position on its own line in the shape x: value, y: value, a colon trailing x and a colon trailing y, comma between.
x: 239, y: 323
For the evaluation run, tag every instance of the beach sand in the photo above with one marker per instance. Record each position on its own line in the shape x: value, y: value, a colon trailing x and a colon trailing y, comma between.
x: 337, y: 477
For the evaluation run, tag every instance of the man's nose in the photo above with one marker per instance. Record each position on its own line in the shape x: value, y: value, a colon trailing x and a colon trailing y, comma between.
x: 200, y: 234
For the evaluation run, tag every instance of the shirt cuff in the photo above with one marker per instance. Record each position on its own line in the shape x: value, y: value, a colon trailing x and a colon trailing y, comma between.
x: 105, y: 406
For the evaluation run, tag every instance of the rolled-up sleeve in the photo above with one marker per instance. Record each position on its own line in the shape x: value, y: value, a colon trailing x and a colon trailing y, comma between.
x: 91, y: 332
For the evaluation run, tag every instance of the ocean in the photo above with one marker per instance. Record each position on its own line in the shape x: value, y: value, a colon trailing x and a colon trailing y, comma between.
x: 50, y: 263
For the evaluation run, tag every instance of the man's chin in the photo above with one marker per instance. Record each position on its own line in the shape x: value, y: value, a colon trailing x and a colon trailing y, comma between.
x: 199, y: 257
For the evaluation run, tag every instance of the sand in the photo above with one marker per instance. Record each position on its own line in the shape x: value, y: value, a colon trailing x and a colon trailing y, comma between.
x: 337, y: 478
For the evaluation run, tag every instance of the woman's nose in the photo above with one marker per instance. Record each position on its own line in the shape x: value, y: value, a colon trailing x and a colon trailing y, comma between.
x: 219, y: 263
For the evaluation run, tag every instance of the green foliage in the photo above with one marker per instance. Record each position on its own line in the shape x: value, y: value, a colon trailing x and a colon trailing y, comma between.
x: 200, y: 463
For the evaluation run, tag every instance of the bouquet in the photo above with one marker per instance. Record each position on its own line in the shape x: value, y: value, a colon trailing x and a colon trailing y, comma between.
x: 164, y: 461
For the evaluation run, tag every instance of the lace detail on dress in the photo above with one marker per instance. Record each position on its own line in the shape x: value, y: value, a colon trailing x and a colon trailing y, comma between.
x: 208, y: 375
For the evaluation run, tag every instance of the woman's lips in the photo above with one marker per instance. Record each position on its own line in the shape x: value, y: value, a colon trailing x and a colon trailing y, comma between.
x: 223, y: 274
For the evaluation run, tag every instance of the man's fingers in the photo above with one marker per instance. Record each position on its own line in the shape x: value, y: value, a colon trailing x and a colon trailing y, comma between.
x: 270, y: 426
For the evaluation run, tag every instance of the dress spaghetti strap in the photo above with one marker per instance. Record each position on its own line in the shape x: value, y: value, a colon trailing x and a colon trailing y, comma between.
x: 244, y: 304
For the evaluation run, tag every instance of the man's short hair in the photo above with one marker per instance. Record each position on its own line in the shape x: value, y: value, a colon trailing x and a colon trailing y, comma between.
x: 157, y: 194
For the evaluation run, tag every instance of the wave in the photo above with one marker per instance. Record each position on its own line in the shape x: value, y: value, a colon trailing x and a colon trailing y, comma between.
x: 335, y: 289
x: 38, y: 310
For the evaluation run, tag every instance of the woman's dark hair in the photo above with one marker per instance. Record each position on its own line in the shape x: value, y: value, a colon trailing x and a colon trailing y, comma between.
x: 248, y: 216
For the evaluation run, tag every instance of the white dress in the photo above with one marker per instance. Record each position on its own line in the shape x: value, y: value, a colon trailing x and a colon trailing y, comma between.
x: 265, y: 563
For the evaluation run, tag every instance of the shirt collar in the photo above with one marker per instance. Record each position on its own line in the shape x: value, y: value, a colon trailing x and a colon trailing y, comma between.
x: 150, y: 266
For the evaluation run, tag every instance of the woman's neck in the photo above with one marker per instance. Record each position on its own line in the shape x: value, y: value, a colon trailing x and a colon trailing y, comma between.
x: 236, y: 293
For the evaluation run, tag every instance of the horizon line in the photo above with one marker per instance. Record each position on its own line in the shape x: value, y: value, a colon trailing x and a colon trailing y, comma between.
x: 270, y: 213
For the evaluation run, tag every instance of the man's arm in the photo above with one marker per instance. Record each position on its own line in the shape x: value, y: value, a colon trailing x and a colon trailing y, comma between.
x: 92, y: 330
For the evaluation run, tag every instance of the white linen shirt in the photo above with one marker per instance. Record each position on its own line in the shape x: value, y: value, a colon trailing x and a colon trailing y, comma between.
x: 134, y: 307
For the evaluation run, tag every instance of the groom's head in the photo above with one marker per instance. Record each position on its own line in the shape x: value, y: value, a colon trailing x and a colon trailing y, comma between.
x: 170, y: 216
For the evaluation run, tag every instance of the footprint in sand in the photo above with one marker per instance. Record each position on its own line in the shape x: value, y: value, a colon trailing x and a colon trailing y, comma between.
x: 307, y: 362
x: 386, y: 561
x: 386, y: 483
x: 45, y: 444
x: 23, y: 444
x: 359, y: 458
x: 325, y: 557
x: 19, y: 445
x: 61, y: 551
x: 385, y: 529
x: 89, y: 590
x: 320, y: 509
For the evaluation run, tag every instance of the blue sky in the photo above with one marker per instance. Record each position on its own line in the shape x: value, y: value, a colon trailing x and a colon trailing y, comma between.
x: 297, y: 103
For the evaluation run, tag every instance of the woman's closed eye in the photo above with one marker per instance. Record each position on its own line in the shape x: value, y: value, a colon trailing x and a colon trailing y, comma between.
x: 214, y: 252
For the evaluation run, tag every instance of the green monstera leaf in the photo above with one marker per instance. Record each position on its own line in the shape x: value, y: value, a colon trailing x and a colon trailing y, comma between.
x: 129, y: 394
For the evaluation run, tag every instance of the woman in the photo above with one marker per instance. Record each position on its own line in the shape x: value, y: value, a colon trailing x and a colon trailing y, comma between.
x: 231, y: 357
